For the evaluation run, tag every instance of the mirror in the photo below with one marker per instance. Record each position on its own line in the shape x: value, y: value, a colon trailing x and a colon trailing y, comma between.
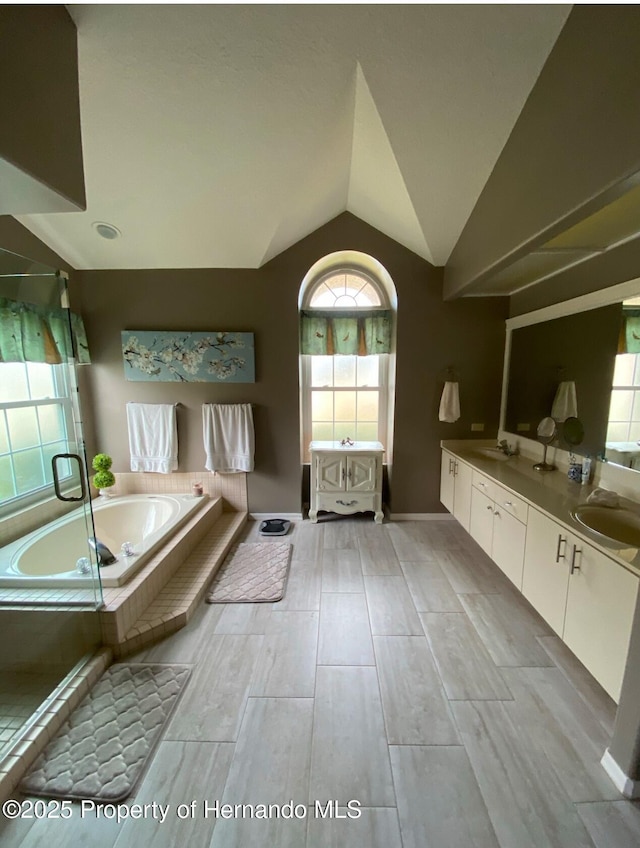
x: 546, y: 433
x: 582, y: 348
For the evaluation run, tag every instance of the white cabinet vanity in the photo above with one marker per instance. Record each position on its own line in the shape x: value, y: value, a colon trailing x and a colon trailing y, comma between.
x: 346, y: 478
x: 455, y: 487
x: 586, y: 595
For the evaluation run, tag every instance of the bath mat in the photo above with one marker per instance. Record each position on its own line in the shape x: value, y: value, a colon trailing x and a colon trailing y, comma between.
x: 102, y: 749
x: 252, y: 573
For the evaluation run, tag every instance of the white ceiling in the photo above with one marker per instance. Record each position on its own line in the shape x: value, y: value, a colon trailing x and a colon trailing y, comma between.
x: 219, y: 135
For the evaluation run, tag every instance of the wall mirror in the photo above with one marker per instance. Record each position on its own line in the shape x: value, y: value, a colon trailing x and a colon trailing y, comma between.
x: 578, y: 341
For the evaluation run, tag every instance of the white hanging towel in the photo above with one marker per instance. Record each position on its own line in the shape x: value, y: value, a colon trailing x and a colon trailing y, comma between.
x: 229, y: 439
x: 450, y: 403
x: 153, y: 437
x: 565, y: 404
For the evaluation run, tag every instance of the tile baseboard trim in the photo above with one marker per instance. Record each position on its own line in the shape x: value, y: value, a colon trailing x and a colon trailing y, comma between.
x: 421, y: 516
x: 261, y: 516
x: 629, y: 788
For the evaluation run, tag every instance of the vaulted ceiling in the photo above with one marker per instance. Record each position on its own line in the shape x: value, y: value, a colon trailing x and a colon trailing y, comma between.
x: 219, y: 135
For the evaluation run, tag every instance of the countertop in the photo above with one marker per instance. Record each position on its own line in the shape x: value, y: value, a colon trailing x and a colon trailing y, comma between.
x: 551, y: 492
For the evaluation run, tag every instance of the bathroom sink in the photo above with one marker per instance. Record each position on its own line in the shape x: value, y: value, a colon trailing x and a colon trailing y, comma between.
x: 491, y: 453
x: 621, y: 526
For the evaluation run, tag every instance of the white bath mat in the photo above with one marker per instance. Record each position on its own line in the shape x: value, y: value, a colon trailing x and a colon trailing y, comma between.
x: 253, y: 572
x: 101, y: 751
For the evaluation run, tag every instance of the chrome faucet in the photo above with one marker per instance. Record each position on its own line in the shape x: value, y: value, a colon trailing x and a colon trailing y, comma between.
x: 105, y: 557
x: 503, y: 446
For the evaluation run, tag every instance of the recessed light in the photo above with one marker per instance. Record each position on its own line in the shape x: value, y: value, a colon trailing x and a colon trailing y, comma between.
x: 107, y: 231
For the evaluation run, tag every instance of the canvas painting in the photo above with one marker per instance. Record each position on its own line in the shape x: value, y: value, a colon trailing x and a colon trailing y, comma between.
x: 171, y: 356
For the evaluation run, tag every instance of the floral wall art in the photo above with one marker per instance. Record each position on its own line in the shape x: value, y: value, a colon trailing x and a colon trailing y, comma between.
x: 171, y: 356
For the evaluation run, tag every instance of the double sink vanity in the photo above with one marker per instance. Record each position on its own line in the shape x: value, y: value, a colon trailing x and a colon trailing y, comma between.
x: 577, y: 564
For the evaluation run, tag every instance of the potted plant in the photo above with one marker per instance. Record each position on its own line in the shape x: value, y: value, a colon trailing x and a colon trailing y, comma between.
x: 103, y: 479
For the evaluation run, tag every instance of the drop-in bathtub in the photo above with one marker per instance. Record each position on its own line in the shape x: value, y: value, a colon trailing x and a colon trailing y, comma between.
x: 47, y: 557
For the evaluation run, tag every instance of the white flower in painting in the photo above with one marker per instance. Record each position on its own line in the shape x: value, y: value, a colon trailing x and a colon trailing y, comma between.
x: 221, y: 369
x: 190, y: 360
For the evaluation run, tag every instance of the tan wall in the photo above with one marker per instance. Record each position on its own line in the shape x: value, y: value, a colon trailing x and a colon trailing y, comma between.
x: 432, y: 335
x: 40, y: 130
x: 575, y: 138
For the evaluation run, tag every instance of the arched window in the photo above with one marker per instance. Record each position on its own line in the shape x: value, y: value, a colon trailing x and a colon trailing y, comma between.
x: 346, y: 343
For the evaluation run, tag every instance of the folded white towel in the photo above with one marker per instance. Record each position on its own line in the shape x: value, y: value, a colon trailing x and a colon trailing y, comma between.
x: 565, y: 403
x: 229, y: 440
x: 450, y: 403
x: 153, y: 437
x: 604, y: 497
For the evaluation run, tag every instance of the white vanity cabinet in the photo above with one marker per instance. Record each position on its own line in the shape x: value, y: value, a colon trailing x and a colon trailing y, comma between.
x: 546, y: 568
x: 588, y: 598
x: 599, y: 616
x: 455, y: 487
x: 499, y: 525
x: 346, y: 478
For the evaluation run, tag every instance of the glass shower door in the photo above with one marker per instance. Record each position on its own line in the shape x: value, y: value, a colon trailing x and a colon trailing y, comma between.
x: 46, y: 520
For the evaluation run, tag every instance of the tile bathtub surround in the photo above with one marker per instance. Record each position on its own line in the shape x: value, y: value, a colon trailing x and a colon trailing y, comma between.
x: 123, y: 605
x: 231, y: 487
x: 443, y: 738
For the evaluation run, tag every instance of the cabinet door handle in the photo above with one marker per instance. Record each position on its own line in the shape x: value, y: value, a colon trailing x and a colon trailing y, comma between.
x: 349, y: 474
x: 484, y: 485
x: 346, y: 503
x: 508, y: 503
x: 559, y: 555
x: 450, y: 466
x: 343, y: 474
x: 455, y: 467
x: 574, y: 567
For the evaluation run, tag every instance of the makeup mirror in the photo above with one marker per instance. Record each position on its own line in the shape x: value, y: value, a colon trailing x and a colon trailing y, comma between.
x: 573, y: 432
x: 546, y: 433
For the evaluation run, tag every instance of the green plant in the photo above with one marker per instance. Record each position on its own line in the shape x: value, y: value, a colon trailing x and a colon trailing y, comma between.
x: 103, y: 478
x: 102, y: 462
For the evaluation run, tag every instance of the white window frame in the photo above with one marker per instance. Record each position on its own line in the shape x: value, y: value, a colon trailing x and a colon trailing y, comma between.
x: 305, y: 359
x: 62, y: 398
x: 635, y: 390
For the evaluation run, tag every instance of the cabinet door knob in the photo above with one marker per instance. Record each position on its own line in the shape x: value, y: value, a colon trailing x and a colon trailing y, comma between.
x: 560, y: 556
x: 490, y: 508
x: 508, y: 503
x: 497, y: 513
x: 574, y: 567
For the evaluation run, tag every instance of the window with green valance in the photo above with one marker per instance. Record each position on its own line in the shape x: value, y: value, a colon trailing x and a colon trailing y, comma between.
x: 355, y: 333
x: 30, y: 333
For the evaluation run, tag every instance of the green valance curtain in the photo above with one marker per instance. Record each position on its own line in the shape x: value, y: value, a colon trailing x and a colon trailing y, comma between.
x: 30, y: 333
x: 358, y: 333
x: 630, y: 334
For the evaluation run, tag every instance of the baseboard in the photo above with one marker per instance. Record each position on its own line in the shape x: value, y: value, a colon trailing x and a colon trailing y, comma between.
x: 421, y: 516
x: 261, y: 516
x: 629, y: 788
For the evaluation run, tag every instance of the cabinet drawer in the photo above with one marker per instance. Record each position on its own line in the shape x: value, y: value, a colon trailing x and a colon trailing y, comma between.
x: 346, y: 503
x: 484, y: 484
x: 510, y: 503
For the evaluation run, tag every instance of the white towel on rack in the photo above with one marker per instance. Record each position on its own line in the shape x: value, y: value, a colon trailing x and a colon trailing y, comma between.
x: 450, y: 403
x: 565, y: 403
x: 153, y: 437
x: 229, y: 439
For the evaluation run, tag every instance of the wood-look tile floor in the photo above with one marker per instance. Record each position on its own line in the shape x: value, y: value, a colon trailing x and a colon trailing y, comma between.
x: 401, y: 671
